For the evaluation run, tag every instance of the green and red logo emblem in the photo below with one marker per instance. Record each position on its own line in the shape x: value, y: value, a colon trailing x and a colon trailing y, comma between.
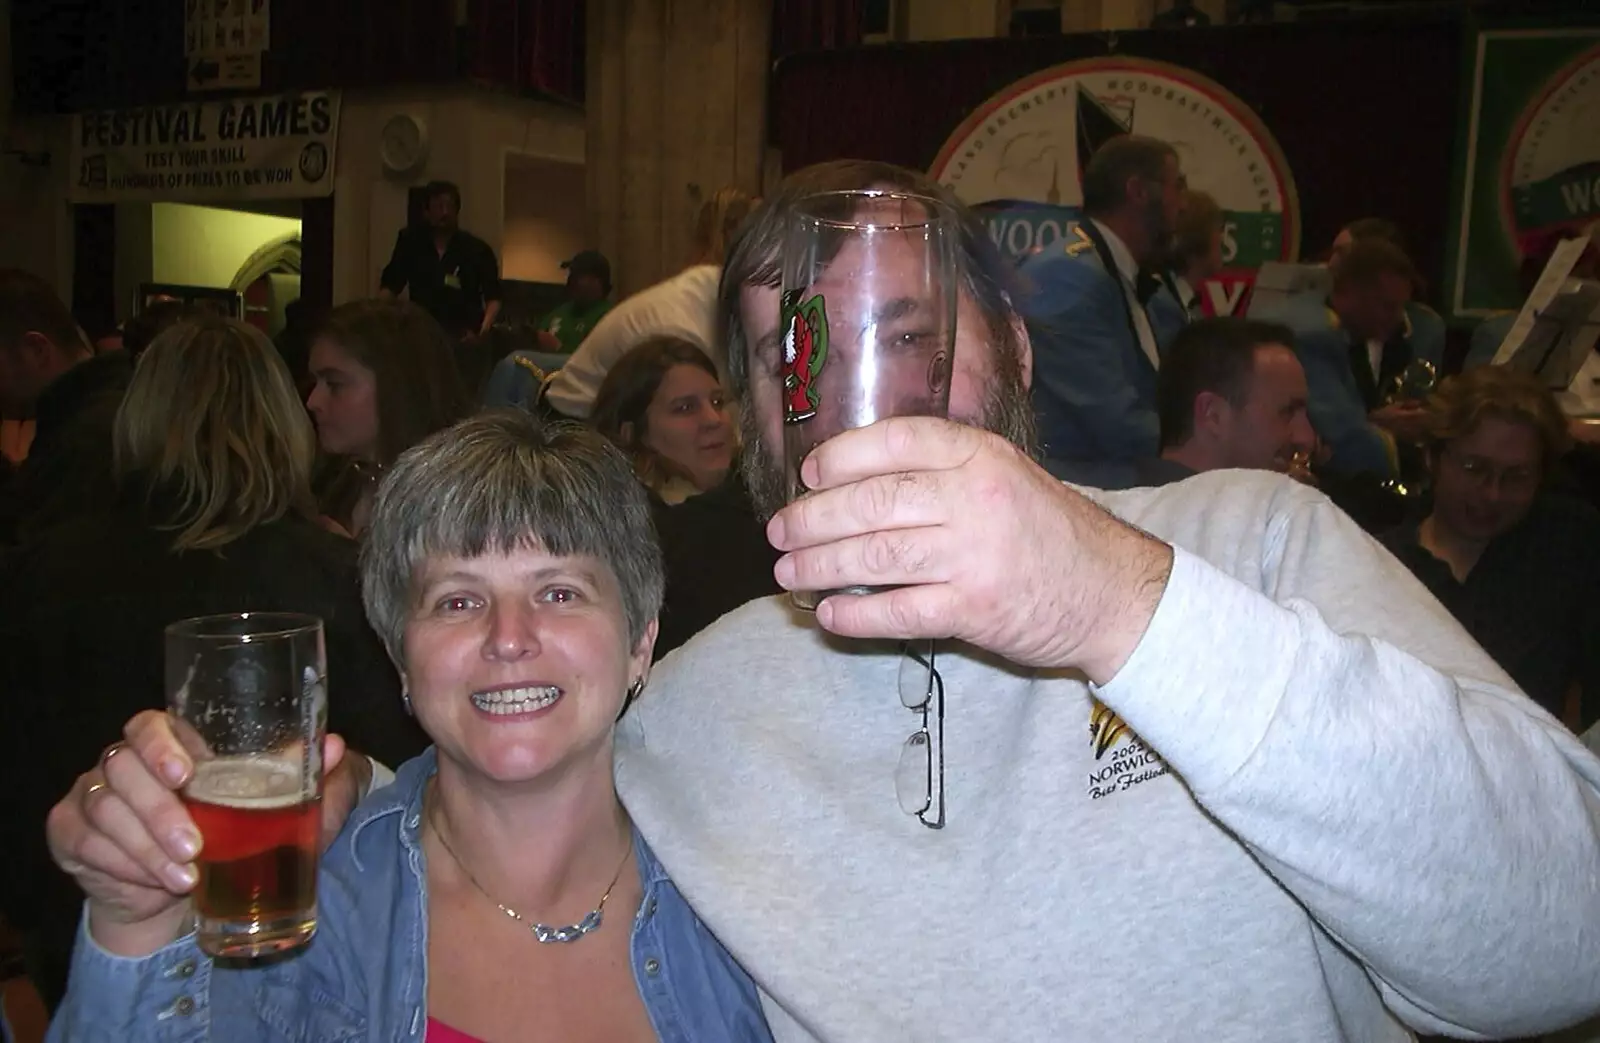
x: 805, y: 352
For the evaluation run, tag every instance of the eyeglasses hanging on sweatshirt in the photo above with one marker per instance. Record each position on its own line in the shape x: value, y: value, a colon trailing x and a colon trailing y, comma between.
x: 919, y: 777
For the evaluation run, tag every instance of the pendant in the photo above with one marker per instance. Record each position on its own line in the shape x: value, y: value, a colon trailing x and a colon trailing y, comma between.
x: 552, y: 935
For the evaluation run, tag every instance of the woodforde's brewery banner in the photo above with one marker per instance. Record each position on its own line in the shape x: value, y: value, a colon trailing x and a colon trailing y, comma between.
x: 1019, y: 160
x: 280, y: 147
x: 1530, y: 159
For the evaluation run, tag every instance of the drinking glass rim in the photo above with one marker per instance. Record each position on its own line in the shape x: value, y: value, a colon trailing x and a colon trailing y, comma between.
x: 273, y: 625
x: 938, y: 211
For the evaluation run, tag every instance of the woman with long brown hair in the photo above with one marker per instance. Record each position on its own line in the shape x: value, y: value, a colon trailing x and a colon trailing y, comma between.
x: 386, y: 378
x: 664, y: 406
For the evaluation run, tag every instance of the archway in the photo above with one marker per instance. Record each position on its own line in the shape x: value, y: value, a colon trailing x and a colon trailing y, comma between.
x: 269, y: 279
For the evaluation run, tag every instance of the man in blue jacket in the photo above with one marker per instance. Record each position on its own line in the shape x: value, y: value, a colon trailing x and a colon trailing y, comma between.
x: 1423, y: 326
x: 1095, y: 317
x: 1353, y: 346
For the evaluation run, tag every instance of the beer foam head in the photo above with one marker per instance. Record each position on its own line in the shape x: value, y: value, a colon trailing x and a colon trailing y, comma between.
x: 259, y: 782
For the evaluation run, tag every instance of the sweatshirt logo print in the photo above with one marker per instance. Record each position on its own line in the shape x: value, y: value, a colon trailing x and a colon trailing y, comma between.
x: 1122, y: 760
x: 1105, y: 729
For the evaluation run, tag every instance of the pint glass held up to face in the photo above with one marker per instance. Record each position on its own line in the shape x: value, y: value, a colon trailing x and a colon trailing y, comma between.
x: 248, y: 694
x: 868, y: 319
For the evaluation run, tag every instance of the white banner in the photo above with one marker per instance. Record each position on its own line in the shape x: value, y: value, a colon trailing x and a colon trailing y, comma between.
x: 280, y: 147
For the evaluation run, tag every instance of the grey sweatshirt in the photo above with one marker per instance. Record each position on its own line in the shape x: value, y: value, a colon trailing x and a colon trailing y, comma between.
x: 1319, y: 813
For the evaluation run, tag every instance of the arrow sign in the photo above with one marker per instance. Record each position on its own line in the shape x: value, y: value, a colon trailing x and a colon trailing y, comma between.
x: 204, y: 72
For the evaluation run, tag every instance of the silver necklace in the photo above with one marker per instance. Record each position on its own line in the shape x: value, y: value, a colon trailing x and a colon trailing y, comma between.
x: 541, y: 932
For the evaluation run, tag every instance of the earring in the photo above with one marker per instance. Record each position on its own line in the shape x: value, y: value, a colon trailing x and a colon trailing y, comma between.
x: 405, y: 697
x: 633, y: 693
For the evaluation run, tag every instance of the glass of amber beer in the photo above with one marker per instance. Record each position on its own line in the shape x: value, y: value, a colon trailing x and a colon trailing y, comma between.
x: 248, y: 694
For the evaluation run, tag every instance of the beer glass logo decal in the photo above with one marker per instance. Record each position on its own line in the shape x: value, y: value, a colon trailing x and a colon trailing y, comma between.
x: 314, y: 713
x: 805, y: 352
x: 247, y: 677
x: 180, y: 698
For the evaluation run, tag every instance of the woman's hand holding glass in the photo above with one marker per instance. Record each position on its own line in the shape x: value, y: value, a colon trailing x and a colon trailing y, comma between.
x: 125, y: 836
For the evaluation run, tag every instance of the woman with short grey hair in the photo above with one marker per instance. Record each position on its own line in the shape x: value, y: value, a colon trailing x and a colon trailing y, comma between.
x: 497, y: 889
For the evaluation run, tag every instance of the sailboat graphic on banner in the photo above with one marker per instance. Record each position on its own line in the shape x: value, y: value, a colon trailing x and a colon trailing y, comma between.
x: 1099, y: 121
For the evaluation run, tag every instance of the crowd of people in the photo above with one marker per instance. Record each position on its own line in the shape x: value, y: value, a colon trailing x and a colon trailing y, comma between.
x: 1478, y: 482
x: 1204, y: 760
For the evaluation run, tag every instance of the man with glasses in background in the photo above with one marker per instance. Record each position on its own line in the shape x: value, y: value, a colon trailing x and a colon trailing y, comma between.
x: 1517, y: 564
x: 1140, y: 768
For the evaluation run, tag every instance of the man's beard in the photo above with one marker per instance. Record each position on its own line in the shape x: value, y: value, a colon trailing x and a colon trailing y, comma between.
x: 1007, y: 411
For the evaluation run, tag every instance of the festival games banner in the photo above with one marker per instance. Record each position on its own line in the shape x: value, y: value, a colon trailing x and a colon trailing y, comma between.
x: 279, y: 147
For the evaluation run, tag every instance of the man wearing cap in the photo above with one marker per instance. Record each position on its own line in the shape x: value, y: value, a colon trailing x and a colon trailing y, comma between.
x: 588, y: 298
x: 451, y: 274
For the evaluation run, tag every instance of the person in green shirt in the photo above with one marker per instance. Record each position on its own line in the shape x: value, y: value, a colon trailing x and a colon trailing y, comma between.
x: 588, y: 298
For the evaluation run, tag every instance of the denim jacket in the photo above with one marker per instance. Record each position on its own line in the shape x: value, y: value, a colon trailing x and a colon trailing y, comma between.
x: 365, y: 976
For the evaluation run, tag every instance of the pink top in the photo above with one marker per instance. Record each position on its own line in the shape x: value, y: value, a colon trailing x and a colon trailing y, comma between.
x: 439, y: 1032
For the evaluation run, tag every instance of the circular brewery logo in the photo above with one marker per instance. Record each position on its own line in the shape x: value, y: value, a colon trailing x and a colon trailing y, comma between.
x: 1020, y: 156
x: 1550, y: 179
x: 314, y: 161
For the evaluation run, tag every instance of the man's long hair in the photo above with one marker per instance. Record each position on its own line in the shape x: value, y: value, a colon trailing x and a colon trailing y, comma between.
x: 984, y: 277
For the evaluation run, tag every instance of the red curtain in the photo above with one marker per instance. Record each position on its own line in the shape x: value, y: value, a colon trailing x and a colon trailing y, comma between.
x: 529, y: 44
x: 814, y: 25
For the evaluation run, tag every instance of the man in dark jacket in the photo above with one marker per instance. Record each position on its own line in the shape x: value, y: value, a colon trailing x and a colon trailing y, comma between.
x: 48, y: 372
x: 450, y: 273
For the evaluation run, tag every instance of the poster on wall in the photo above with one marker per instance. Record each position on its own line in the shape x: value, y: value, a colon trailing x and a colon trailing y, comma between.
x: 279, y: 147
x: 1530, y: 164
x: 1019, y: 160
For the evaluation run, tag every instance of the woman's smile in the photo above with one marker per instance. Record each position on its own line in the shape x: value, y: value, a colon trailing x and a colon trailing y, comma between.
x: 521, y: 702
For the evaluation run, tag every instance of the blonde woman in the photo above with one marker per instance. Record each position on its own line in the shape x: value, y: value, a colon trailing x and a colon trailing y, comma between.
x: 213, y: 455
